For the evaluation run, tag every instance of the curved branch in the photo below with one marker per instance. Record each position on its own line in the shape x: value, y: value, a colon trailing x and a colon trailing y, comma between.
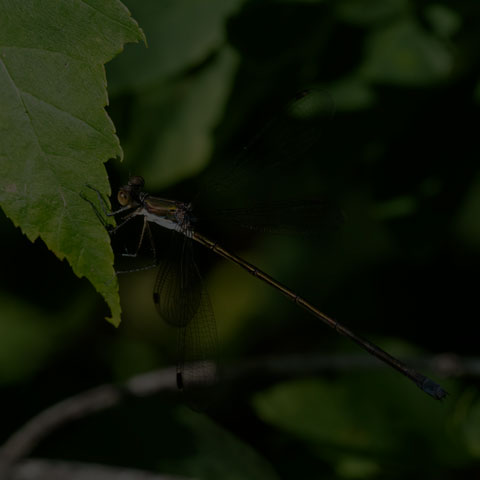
x: 36, y: 469
x: 24, y: 440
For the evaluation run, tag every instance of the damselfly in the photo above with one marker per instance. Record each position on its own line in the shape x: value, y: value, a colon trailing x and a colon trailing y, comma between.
x: 181, y: 299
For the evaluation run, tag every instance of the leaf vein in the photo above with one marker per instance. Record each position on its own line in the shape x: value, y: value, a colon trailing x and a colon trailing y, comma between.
x: 70, y: 114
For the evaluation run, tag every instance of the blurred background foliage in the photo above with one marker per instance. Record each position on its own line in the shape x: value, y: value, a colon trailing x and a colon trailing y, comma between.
x: 400, y: 158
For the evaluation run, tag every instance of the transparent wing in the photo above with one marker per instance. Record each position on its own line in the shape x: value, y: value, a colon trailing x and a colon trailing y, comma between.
x: 178, y: 288
x: 197, y: 347
x: 284, y: 217
x: 278, y: 149
x: 182, y: 301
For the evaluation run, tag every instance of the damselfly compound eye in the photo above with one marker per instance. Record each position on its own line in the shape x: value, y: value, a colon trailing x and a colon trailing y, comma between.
x: 123, y: 197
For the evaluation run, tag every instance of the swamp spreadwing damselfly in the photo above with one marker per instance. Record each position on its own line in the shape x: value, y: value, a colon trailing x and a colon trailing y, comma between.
x: 180, y: 296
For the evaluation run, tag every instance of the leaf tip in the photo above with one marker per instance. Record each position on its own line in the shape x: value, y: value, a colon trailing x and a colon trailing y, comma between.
x: 114, y: 320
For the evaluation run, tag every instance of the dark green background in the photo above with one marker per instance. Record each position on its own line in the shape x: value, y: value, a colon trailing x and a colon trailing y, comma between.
x: 400, y: 158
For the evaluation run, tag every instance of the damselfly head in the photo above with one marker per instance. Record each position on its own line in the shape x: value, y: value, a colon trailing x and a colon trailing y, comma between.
x: 129, y: 194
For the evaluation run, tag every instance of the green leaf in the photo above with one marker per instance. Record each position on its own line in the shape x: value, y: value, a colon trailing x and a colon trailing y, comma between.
x: 26, y: 339
x: 363, y: 416
x: 471, y: 421
x: 369, y: 11
x: 173, y: 135
x: 404, y: 54
x: 444, y: 21
x: 351, y: 93
x: 30, y: 336
x: 54, y: 132
x: 396, y: 207
x: 181, y: 34
x: 316, y: 411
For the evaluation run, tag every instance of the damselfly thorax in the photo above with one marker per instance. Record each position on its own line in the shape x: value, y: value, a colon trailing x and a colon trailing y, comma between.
x: 169, y: 214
